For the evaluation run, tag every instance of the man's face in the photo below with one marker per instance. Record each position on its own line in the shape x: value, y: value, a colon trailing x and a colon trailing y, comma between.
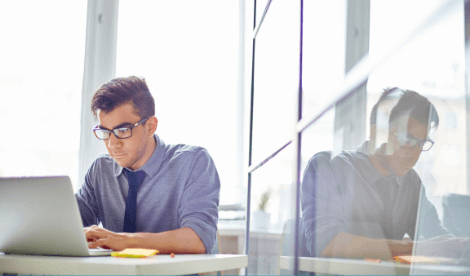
x: 404, y: 158
x: 131, y: 152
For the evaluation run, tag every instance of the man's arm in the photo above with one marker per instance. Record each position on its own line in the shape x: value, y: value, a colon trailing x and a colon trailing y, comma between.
x: 200, y: 200
x: 86, y: 199
x: 352, y: 246
x: 322, y: 204
x: 183, y: 240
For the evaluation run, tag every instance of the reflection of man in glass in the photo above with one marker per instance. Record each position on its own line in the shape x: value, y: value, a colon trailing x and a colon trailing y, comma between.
x: 362, y: 203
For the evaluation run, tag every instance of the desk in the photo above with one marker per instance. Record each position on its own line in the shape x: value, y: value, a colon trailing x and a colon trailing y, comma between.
x: 159, y: 264
x: 350, y: 266
x: 265, y: 247
x: 345, y: 266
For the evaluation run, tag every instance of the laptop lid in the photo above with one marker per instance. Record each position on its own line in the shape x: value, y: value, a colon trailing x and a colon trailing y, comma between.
x: 40, y: 215
x: 443, y: 258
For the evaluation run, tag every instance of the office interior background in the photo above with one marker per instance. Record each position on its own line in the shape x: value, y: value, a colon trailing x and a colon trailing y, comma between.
x: 262, y: 84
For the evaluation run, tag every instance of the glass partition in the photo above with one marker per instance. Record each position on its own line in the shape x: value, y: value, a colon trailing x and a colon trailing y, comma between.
x: 276, y: 79
x: 318, y: 138
x: 401, y: 196
x: 432, y: 64
x: 323, y: 53
x: 341, y: 205
x: 397, y: 201
x: 271, y: 217
x: 349, y: 209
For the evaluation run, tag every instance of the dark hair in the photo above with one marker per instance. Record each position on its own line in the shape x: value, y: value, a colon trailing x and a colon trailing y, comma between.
x: 416, y: 106
x: 120, y: 91
x: 411, y: 102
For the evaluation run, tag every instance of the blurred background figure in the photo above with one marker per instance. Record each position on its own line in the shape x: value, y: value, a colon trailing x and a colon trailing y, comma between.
x: 363, y: 203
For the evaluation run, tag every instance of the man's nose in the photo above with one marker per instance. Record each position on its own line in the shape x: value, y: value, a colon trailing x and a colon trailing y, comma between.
x: 113, y: 141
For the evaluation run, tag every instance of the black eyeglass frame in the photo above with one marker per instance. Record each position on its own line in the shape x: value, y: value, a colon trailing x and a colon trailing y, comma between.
x: 416, y: 142
x: 115, y: 129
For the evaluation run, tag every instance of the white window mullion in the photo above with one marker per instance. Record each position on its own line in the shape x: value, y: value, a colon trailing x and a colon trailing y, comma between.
x: 100, y: 66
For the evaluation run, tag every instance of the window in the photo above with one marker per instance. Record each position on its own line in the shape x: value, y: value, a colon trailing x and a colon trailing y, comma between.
x: 189, y: 58
x: 42, y: 53
x: 416, y: 46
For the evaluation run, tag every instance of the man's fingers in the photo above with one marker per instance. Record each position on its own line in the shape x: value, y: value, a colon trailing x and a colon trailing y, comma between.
x: 103, y: 243
x: 98, y: 243
x: 95, y: 235
x: 93, y: 244
x: 91, y: 239
x: 99, y: 237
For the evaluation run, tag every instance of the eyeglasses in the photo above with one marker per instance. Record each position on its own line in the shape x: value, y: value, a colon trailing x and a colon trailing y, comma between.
x: 407, y: 141
x: 120, y: 132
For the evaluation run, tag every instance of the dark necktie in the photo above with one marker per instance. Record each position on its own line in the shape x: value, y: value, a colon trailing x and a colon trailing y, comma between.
x: 134, y: 179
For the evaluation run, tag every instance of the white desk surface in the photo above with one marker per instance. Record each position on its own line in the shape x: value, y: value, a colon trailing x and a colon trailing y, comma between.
x: 158, y: 264
x: 360, y: 267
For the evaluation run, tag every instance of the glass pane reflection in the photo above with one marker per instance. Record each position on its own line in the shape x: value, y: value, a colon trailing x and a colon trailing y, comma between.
x: 276, y: 79
x: 323, y: 53
x: 369, y: 204
x: 404, y: 191
x: 434, y: 70
x: 272, y: 209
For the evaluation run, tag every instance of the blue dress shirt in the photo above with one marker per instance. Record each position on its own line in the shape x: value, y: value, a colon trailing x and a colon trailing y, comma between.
x: 181, y: 189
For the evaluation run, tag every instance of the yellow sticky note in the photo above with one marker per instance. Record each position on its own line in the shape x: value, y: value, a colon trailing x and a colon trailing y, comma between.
x: 135, y: 253
x: 413, y: 259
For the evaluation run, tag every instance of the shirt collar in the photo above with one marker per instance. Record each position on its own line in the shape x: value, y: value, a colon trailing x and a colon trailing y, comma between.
x: 152, y: 165
x: 368, y: 169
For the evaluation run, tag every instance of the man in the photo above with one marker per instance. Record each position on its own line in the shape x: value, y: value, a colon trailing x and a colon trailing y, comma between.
x: 146, y: 194
x: 361, y: 203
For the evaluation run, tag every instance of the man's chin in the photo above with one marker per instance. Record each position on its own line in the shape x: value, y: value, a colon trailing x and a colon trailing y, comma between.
x: 122, y: 163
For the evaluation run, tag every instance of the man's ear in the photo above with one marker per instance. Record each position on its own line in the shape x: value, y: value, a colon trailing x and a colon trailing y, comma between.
x: 153, y: 123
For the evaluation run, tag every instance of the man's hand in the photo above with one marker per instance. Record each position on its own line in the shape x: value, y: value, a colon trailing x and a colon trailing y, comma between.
x: 100, y: 237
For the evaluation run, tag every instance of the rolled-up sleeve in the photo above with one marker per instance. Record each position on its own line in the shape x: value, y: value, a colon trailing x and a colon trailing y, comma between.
x: 322, y: 205
x: 200, y: 201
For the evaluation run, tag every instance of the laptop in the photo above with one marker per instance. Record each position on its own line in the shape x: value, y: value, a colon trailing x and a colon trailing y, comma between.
x: 40, y: 216
x: 456, y: 262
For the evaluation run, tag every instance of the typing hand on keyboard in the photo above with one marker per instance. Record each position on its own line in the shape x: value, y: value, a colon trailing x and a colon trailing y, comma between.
x: 98, y: 237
